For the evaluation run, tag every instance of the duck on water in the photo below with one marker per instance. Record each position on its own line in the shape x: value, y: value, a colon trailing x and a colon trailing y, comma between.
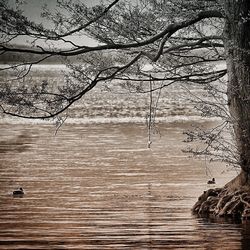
x: 211, y: 181
x: 18, y: 193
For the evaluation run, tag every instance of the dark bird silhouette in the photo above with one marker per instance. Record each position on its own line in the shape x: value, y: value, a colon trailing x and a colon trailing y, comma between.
x: 211, y: 181
x: 18, y: 193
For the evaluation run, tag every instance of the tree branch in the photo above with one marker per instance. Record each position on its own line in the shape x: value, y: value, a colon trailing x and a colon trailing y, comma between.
x: 82, y: 27
x: 170, y: 29
x: 73, y: 99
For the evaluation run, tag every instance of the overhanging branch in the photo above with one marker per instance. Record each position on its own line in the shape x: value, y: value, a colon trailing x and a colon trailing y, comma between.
x: 167, y: 32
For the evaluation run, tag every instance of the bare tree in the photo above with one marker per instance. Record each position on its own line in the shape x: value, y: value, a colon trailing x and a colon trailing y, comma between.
x: 181, y: 40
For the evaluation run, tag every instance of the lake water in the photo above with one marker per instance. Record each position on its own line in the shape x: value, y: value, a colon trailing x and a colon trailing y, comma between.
x: 98, y: 186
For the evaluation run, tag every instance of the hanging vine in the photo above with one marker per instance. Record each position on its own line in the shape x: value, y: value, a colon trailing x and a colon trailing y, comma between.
x: 152, y: 111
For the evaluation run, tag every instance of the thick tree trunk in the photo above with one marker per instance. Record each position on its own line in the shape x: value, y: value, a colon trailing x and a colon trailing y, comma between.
x: 237, y: 45
x: 234, y: 198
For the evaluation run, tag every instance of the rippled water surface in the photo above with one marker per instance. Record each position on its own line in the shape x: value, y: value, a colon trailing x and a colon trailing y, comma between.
x: 100, y: 187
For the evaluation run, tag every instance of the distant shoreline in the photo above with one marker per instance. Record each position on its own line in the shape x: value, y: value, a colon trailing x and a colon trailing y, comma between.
x: 114, y: 120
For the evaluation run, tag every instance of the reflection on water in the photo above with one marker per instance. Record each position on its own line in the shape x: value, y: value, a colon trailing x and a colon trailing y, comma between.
x: 99, y: 187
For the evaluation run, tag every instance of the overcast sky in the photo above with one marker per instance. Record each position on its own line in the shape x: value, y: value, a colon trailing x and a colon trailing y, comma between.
x: 32, y: 9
